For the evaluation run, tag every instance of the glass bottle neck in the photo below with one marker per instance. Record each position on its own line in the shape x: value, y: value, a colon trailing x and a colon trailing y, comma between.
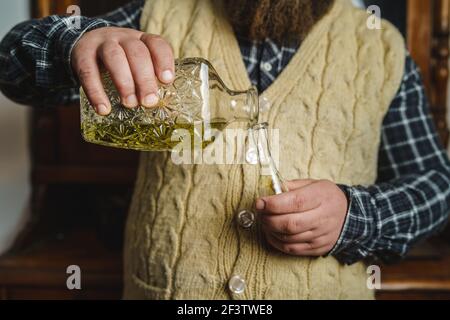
x: 235, y: 106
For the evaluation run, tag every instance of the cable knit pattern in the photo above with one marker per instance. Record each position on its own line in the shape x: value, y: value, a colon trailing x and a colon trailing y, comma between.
x: 181, y: 238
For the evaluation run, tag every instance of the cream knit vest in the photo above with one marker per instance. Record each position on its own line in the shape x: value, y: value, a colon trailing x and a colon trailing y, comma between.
x: 182, y: 241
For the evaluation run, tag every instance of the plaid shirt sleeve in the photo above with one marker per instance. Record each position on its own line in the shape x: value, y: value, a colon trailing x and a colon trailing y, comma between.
x: 35, y: 55
x: 411, y: 198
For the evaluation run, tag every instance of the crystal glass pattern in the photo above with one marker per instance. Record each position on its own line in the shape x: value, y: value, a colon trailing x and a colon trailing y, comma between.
x: 197, y: 95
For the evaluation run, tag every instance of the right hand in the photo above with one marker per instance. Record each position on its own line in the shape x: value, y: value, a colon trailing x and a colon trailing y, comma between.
x: 135, y: 60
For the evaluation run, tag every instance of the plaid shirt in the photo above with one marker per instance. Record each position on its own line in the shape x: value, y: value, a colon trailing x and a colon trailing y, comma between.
x: 410, y: 200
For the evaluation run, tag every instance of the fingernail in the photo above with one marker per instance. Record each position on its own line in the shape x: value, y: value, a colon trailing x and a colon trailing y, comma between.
x: 102, y: 109
x: 151, y: 100
x: 167, y: 76
x: 131, y: 101
x: 260, y: 204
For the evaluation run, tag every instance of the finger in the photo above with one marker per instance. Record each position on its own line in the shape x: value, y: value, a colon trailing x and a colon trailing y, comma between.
x: 297, y: 184
x: 141, y: 65
x: 115, y: 60
x: 90, y: 79
x: 300, y: 249
x: 306, y: 236
x: 291, y: 224
x: 287, y: 248
x: 300, y: 200
x: 323, y: 251
x: 319, y: 246
x: 162, y: 57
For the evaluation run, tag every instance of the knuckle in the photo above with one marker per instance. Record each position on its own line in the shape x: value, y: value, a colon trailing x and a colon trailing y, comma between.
x: 290, y: 226
x: 288, y: 248
x: 311, y: 234
x: 111, y: 49
x: 81, y: 61
x: 161, y: 45
x: 145, y: 90
x: 95, y: 93
x: 156, y: 38
x: 306, y: 236
x: 85, y: 74
x: 297, y: 201
x: 136, y: 51
x: 113, y: 52
x: 144, y: 37
x: 124, y: 86
x: 147, y: 82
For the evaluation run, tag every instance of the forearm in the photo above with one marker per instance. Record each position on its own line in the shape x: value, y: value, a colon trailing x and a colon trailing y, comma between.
x: 35, y: 56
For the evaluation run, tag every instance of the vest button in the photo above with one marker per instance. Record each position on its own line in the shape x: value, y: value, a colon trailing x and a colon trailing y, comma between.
x: 246, y: 219
x: 236, y: 285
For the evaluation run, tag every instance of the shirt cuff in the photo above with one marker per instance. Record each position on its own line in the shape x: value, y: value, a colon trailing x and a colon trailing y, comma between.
x: 357, y: 229
x: 70, y: 37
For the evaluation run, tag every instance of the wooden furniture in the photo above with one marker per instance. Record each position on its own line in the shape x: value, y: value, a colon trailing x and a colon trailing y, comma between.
x: 81, y: 192
x: 426, y: 274
x: 428, y: 42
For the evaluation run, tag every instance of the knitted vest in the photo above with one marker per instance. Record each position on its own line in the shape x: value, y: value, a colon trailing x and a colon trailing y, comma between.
x: 182, y: 241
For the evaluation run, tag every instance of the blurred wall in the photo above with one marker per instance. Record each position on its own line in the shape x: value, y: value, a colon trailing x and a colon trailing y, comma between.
x: 14, y: 158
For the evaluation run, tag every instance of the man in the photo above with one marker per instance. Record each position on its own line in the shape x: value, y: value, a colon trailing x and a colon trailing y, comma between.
x: 335, y: 88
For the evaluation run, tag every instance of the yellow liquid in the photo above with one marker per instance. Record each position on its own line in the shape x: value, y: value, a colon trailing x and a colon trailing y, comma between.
x: 270, y: 186
x: 266, y: 187
x: 145, y: 137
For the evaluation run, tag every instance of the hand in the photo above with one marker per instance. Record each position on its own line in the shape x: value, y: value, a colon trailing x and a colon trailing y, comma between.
x: 134, y: 59
x: 307, y: 221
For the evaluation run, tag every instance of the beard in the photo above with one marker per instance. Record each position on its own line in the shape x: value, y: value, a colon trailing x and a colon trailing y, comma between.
x: 280, y: 20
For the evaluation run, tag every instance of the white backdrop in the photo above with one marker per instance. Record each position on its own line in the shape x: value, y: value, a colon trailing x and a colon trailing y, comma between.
x: 14, y: 158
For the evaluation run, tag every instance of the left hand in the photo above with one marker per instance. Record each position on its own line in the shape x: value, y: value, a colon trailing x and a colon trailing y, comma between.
x: 307, y: 220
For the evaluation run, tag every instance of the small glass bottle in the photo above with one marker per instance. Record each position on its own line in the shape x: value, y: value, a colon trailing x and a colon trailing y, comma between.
x: 198, y: 96
x: 270, y: 180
